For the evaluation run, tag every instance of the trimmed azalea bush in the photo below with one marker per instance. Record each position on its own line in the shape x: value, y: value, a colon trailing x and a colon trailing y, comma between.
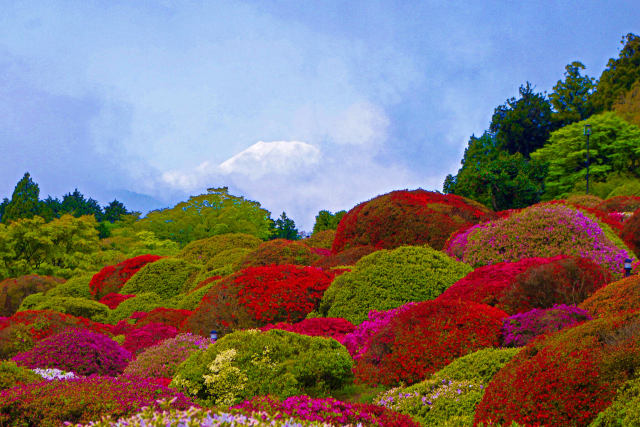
x: 222, y: 264
x: 520, y: 329
x: 544, y: 230
x: 347, y: 257
x: 405, y: 217
x: 146, y: 301
x: 615, y: 298
x: 79, y: 307
x: 81, y: 400
x: 15, y: 338
x: 321, y: 239
x: 14, y: 290
x: 328, y: 327
x: 426, y: 337
x: 80, y: 351
x: 192, y: 299
x: 45, y: 323
x: 113, y: 300
x: 565, y: 378
x: 12, y: 375
x: 112, y: 277
x: 166, y: 278
x: 586, y: 200
x: 387, y: 279
x: 250, y: 363
x: 162, y: 359
x: 631, y: 232
x: 169, y: 316
x: 257, y: 296
x: 280, y: 252
x: 624, y: 410
x: 327, y: 410
x: 147, y: 335
x: 77, y: 287
x: 451, y: 394
x: 200, y: 251
x: 620, y: 204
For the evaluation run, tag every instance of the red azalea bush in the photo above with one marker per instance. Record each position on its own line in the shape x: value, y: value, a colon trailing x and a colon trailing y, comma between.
x: 619, y: 204
x: 14, y: 290
x: 44, y: 323
x: 256, y: 296
x: 169, y: 316
x: 142, y: 337
x: 615, y: 298
x: 280, y: 252
x: 113, y: 300
x: 80, y: 351
x: 565, y: 378
x: 327, y: 410
x: 82, y: 400
x: 112, y: 277
x: 631, y: 232
x: 426, y: 337
x: 405, y: 217
x: 347, y: 257
x: 329, y: 327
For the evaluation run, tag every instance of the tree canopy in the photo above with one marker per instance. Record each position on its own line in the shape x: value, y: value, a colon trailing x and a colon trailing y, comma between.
x: 326, y: 220
x: 285, y: 228
x: 571, y: 98
x: 25, y: 201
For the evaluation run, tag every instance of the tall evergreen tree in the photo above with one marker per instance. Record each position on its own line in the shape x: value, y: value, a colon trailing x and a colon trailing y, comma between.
x: 76, y: 205
x: 285, y: 228
x: 25, y: 201
x: 571, y: 98
x: 114, y: 210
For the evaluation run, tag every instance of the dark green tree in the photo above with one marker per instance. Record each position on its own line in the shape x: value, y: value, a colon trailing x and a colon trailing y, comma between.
x: 114, y: 211
x: 76, y: 205
x: 285, y: 228
x: 326, y: 220
x: 619, y: 75
x: 25, y: 201
x: 523, y: 125
x: 571, y: 98
x: 3, y: 206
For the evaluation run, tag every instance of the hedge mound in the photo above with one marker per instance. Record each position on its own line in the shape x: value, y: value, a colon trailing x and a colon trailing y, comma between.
x: 80, y: 351
x: 112, y: 277
x: 257, y: 296
x: 321, y: 239
x: 14, y: 290
x: 566, y: 378
x: 347, y: 257
x: 336, y: 328
x: 45, y: 323
x: 625, y: 409
x: 222, y: 264
x: 620, y: 204
x: 387, y: 279
x: 82, y: 400
x: 543, y: 230
x: 166, y: 278
x: 250, y: 363
x: 615, y: 298
x: 631, y: 232
x: 12, y: 375
x: 405, y: 217
x: 426, y: 337
x: 586, y: 200
x: 201, y: 251
x: 143, y: 302
x: 79, y: 307
x: 280, y: 252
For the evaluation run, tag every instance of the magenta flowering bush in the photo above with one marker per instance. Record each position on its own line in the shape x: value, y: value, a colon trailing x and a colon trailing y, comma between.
x: 357, y: 342
x: 81, y: 400
x: 136, y: 340
x: 77, y: 350
x: 520, y: 329
x: 162, y: 359
x: 327, y: 410
x: 543, y: 230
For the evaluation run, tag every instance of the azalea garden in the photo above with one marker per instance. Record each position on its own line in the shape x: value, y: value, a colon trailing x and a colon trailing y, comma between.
x: 413, y: 308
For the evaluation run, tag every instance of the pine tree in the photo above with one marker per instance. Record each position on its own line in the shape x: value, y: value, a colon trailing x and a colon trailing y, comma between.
x: 25, y: 201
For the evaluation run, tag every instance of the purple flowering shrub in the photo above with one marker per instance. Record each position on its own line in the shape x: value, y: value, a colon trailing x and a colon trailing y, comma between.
x: 79, y: 400
x: 136, y: 340
x: 544, y: 230
x: 162, y: 359
x: 358, y: 342
x: 77, y: 350
x: 327, y: 410
x: 520, y: 329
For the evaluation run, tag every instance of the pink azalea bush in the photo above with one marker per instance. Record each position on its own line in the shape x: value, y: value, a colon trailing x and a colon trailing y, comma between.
x: 520, y: 329
x: 330, y: 327
x: 162, y: 359
x: 81, y: 351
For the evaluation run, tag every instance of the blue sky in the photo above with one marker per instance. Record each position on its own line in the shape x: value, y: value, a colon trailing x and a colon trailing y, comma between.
x: 300, y: 105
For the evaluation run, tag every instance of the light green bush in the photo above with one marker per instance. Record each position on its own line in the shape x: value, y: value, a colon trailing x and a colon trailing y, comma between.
x: 77, y: 286
x: 201, y: 251
x: 166, y: 277
x: 143, y: 302
x: 79, y: 307
x: 223, y: 263
x: 625, y: 409
x: 191, y: 300
x: 387, y: 279
x: 250, y: 363
x: 31, y: 301
x: 11, y: 375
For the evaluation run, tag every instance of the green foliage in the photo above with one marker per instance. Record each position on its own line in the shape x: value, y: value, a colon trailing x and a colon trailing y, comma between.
x: 214, y: 213
x: 75, y: 204
x: 388, y: 279
x: 191, y: 300
x: 31, y: 301
x: 166, y: 277
x: 15, y: 339
x: 250, y: 363
x: 13, y: 291
x: 114, y: 211
x: 79, y: 307
x: 523, y: 125
x: 326, y: 220
x: 624, y: 410
x: 479, y: 366
x: 223, y: 263
x: 143, y: 302
x: 285, y: 228
x: 24, y: 203
x: 12, y: 375
x: 631, y: 188
x: 201, y: 251
x: 571, y: 98
x: 77, y: 286
x: 280, y: 251
x: 614, y: 147
x: 620, y: 74
x: 628, y: 105
x: 321, y: 239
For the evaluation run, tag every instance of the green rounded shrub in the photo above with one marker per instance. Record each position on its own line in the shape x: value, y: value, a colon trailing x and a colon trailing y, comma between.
x: 201, y: 251
x: 624, y: 410
x: 166, y: 277
x: 77, y: 286
x: 479, y: 366
x: 321, y: 239
x: 191, y: 300
x: 387, y: 279
x: 79, y: 307
x: 280, y: 252
x: 31, y: 301
x: 628, y: 189
x: 143, y: 302
x: 12, y: 375
x: 249, y: 363
x: 223, y: 263
x: 15, y: 339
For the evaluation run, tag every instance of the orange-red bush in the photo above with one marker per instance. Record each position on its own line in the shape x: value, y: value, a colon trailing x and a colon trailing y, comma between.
x: 330, y: 327
x: 398, y: 218
x: 112, y: 277
x: 620, y: 204
x: 631, y: 232
x: 614, y: 298
x: 347, y: 257
x: 44, y: 323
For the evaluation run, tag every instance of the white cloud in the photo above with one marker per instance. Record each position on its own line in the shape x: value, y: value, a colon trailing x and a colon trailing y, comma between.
x: 362, y: 124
